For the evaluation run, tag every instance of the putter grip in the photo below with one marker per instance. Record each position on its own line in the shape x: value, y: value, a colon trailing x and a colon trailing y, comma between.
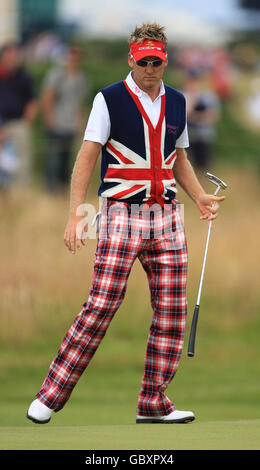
x: 192, y: 337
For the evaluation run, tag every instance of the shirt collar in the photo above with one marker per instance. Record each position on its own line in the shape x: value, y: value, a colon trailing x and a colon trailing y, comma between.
x: 137, y: 91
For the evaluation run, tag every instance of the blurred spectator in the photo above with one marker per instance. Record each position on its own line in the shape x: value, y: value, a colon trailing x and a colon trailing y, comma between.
x: 18, y: 108
x: 64, y: 93
x: 194, y: 58
x: 216, y: 61
x: 44, y: 46
x: 253, y: 103
x: 245, y: 56
x: 203, y: 109
x: 9, y: 160
x: 222, y: 73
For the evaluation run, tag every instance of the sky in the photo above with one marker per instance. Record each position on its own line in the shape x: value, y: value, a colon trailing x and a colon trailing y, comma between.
x: 218, y: 11
x: 185, y: 20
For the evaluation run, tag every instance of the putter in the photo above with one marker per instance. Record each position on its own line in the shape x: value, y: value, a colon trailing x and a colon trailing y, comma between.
x: 191, y: 346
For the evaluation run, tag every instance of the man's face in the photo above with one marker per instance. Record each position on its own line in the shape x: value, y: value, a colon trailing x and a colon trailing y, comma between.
x: 148, y: 77
x: 11, y: 58
x: 74, y: 57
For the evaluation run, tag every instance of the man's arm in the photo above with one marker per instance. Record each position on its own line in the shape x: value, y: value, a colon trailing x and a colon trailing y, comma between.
x: 81, y: 176
x: 187, y: 179
x: 31, y: 110
x: 48, y: 99
x: 31, y: 102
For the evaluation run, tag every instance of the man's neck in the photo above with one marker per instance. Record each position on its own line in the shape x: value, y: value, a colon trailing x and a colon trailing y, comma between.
x: 152, y: 92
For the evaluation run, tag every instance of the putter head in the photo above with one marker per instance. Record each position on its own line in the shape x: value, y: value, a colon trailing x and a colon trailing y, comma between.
x: 217, y: 181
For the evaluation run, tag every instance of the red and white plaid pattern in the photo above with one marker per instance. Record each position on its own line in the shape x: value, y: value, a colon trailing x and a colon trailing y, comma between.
x: 165, y: 262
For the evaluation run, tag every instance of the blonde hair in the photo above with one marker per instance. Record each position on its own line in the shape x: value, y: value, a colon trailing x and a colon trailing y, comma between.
x: 153, y: 31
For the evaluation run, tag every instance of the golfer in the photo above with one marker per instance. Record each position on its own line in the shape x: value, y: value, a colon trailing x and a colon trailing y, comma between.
x: 139, y: 126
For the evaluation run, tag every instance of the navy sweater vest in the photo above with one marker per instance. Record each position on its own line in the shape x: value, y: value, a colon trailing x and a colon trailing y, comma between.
x: 137, y: 160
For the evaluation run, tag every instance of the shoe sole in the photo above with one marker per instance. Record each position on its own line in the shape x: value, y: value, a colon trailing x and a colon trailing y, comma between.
x: 36, y: 420
x: 164, y: 421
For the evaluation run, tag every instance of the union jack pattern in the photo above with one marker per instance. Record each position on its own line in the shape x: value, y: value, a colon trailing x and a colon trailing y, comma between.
x: 132, y: 173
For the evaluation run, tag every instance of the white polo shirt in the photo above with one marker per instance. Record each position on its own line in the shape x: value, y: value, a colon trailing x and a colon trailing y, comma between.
x: 98, y: 126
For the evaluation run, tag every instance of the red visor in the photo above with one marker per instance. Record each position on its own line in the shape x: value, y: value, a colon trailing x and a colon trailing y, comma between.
x: 148, y: 48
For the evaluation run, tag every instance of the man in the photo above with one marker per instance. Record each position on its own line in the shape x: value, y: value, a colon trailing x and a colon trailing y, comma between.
x: 203, y: 112
x: 140, y: 126
x: 18, y: 108
x: 64, y: 92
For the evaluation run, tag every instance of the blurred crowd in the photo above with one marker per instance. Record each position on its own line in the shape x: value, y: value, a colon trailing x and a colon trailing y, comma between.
x: 207, y: 76
x: 207, y: 80
x: 61, y: 101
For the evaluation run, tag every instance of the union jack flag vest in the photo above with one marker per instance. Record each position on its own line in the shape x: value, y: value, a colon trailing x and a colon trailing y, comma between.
x: 137, y: 160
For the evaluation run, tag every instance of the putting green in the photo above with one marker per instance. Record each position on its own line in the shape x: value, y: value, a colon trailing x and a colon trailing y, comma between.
x: 209, y: 435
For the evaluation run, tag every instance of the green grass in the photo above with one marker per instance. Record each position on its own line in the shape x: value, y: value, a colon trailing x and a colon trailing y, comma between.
x: 208, y: 435
x: 222, y: 391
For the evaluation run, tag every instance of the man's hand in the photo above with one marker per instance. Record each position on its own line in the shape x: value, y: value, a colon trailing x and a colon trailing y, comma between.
x: 74, y: 235
x: 31, y: 111
x: 184, y: 173
x: 208, y: 205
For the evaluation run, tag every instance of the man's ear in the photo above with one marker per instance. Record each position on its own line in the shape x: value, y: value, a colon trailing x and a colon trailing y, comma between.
x: 130, y: 60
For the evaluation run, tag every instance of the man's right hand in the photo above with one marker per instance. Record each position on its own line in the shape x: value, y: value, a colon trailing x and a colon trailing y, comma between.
x: 73, y: 237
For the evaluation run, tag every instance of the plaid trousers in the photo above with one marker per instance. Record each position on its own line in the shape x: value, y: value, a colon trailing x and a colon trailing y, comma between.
x: 158, y: 240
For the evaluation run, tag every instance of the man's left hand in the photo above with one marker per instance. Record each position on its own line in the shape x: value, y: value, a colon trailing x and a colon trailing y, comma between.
x: 208, y: 206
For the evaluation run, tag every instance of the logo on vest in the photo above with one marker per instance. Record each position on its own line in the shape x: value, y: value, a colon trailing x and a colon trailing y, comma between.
x: 172, y: 129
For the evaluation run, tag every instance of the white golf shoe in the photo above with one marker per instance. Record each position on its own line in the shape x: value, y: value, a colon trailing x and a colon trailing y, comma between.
x: 38, y: 412
x: 175, y: 416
